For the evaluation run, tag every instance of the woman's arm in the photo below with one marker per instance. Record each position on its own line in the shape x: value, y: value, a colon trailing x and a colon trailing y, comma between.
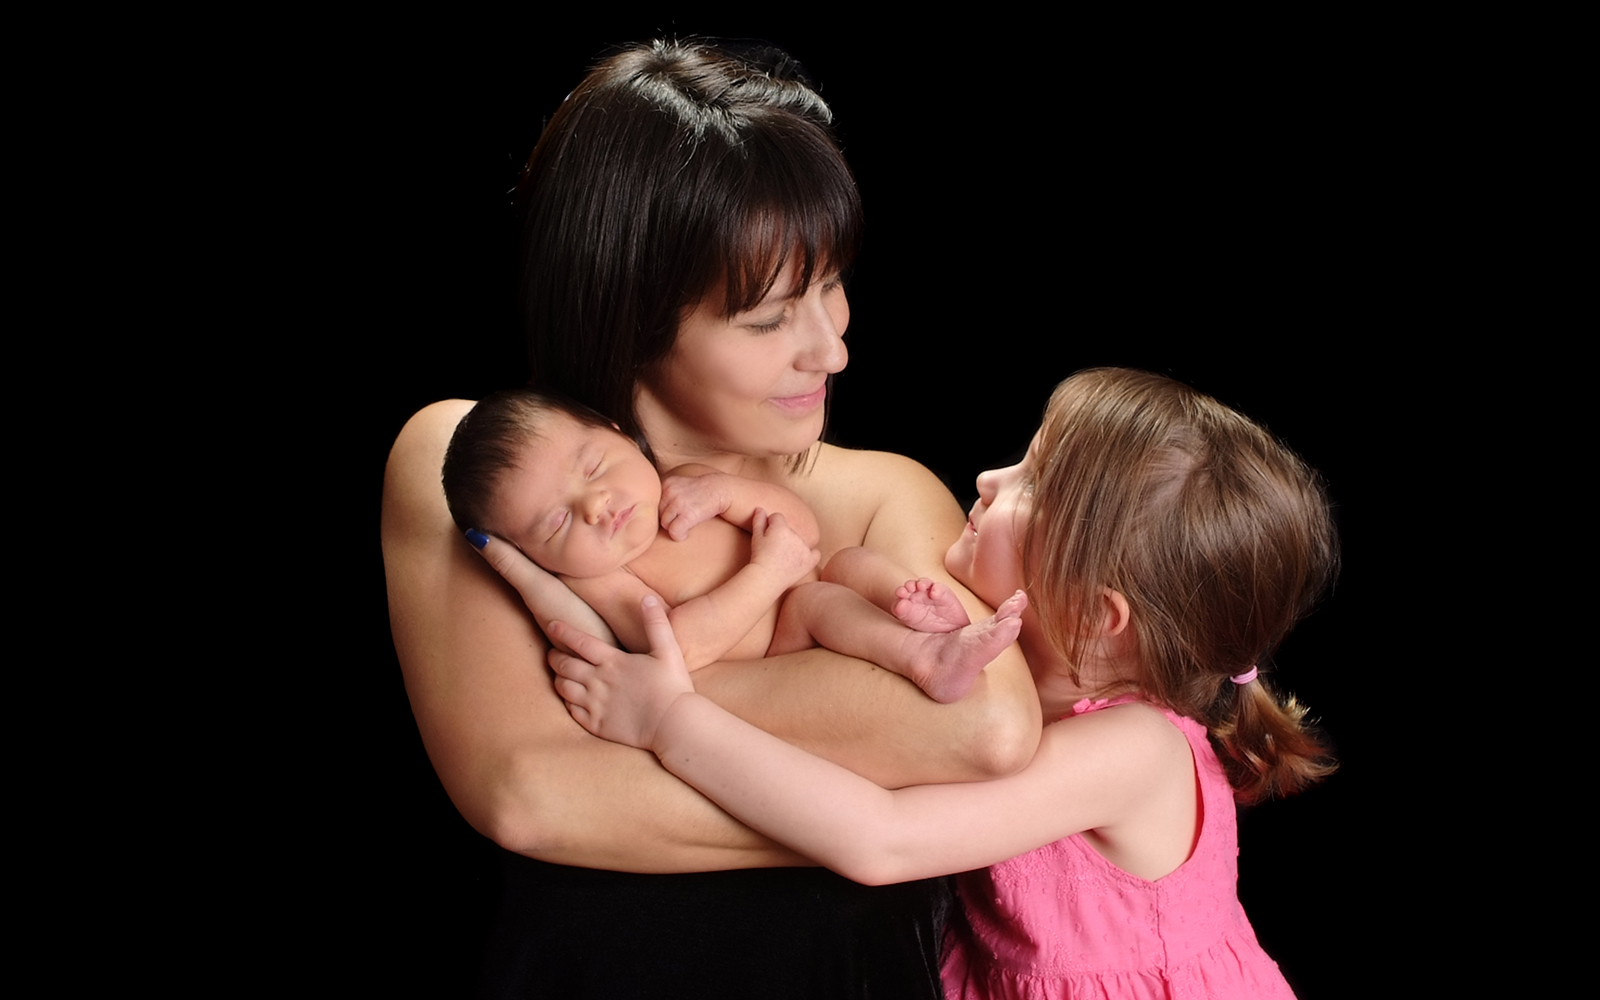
x: 546, y: 597
x: 513, y: 761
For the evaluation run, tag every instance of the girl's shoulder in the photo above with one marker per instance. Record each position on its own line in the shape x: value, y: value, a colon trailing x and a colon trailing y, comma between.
x: 1143, y: 783
x: 1127, y: 720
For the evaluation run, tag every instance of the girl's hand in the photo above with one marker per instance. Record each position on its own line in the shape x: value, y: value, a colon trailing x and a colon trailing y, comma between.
x: 689, y: 501
x: 618, y: 696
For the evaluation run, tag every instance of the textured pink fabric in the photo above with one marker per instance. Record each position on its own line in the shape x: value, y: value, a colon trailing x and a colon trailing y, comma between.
x: 1062, y: 921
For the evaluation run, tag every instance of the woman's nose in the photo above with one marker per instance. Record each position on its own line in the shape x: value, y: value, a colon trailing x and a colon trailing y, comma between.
x: 827, y: 316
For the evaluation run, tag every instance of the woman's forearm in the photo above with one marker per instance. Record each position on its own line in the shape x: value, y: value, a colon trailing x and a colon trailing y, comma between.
x: 878, y: 724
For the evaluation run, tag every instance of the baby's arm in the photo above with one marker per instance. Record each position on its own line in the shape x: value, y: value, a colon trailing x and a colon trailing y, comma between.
x: 714, y: 622
x: 711, y: 624
x: 694, y: 494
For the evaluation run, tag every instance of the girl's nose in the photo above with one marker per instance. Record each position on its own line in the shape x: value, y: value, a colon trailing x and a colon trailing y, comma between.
x: 594, y: 506
x: 988, y: 485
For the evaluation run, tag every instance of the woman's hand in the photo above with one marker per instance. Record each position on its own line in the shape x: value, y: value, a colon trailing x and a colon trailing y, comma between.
x: 546, y: 596
x: 621, y: 696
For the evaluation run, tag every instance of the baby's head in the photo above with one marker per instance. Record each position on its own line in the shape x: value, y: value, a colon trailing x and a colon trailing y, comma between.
x: 555, y: 479
x: 1218, y: 536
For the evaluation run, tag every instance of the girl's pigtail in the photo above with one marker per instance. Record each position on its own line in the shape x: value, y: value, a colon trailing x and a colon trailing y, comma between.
x: 1268, y: 748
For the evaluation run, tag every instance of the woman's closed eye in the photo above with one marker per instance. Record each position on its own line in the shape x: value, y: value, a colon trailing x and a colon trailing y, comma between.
x: 773, y: 325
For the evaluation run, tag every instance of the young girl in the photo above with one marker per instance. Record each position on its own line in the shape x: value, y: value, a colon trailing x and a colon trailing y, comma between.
x: 1167, y: 545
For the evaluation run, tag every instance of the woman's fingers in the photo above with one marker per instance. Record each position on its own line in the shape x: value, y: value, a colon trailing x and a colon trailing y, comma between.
x: 499, y: 553
x: 516, y: 568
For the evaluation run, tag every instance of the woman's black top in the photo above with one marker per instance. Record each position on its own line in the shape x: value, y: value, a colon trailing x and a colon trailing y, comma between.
x: 779, y: 933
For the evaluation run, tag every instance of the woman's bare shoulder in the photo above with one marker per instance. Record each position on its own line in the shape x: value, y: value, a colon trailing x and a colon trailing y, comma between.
x: 412, y: 488
x: 882, y: 500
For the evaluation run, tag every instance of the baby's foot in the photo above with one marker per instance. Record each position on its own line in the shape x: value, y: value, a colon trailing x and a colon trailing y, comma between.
x: 944, y: 664
x: 929, y: 607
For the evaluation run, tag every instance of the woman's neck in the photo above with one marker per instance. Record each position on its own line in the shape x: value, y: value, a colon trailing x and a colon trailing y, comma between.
x: 747, y: 466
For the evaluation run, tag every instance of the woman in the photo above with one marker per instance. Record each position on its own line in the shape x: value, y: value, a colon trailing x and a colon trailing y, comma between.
x: 686, y: 217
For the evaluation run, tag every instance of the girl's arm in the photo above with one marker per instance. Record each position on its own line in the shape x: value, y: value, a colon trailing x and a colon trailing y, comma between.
x: 523, y: 773
x: 1093, y: 772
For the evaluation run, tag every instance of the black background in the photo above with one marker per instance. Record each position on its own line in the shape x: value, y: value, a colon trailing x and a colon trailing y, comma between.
x: 1245, y: 218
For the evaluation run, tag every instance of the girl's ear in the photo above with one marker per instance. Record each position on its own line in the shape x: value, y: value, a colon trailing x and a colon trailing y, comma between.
x: 1114, y: 612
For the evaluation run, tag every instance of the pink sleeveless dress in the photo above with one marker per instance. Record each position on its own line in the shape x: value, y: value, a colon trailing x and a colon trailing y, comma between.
x: 1062, y: 921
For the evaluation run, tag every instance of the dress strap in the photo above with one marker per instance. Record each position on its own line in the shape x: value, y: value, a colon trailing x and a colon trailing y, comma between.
x: 1086, y: 705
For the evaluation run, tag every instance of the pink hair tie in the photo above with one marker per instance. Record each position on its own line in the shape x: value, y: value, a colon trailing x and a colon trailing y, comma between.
x: 1246, y: 677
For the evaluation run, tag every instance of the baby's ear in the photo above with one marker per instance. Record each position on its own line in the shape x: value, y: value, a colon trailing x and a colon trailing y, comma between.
x: 1115, y: 615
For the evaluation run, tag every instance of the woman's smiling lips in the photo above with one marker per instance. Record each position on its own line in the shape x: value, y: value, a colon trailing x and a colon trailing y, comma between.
x: 804, y: 403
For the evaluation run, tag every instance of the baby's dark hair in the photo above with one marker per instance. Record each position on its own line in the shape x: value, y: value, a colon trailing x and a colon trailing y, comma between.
x: 488, y: 441
x: 1217, y: 534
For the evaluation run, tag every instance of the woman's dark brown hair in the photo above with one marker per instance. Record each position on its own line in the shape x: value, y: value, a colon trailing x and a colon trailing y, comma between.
x: 1217, y: 534
x: 675, y: 170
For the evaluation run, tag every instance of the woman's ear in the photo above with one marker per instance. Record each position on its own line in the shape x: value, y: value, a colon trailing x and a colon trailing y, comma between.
x: 1114, y: 612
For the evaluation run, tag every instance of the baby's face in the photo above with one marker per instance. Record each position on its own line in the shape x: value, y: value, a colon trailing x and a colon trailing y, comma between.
x: 582, y: 501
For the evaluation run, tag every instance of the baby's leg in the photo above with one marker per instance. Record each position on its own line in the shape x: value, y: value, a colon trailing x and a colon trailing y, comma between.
x: 921, y: 604
x: 942, y: 664
x: 929, y: 607
x: 871, y: 574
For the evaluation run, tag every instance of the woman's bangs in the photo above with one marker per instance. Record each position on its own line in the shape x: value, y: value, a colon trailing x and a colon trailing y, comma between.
x: 811, y: 209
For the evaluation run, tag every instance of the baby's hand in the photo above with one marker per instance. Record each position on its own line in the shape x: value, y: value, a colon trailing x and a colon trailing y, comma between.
x: 619, y: 696
x: 687, y: 501
x: 776, y: 546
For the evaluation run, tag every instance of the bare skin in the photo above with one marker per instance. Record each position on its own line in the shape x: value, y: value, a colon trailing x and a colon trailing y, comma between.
x: 573, y: 486
x: 738, y: 394
x: 944, y: 661
x: 525, y: 775
x: 929, y: 607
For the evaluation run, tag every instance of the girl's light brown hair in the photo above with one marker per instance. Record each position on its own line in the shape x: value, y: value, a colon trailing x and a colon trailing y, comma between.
x: 1217, y: 534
